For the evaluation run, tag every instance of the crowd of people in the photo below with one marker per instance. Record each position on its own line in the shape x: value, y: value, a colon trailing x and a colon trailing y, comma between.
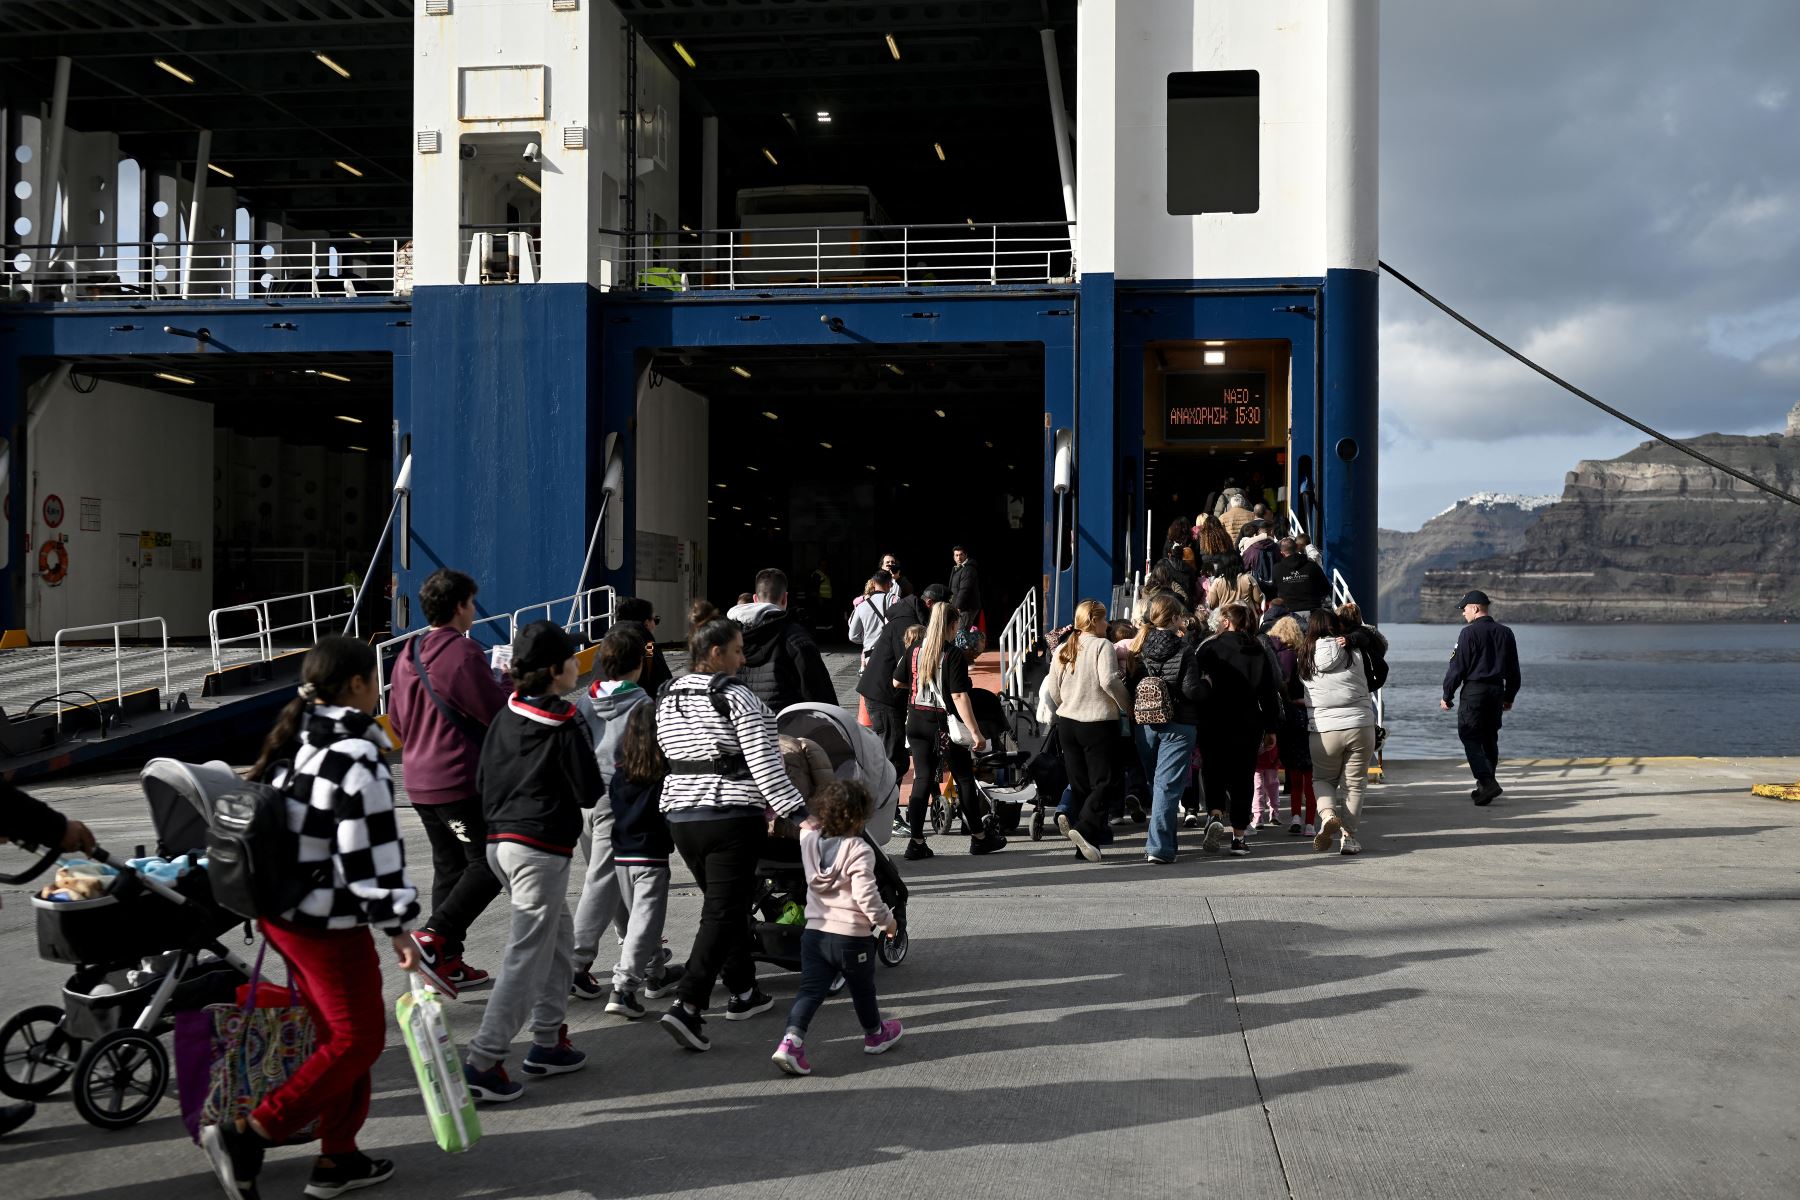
x: 1233, y: 671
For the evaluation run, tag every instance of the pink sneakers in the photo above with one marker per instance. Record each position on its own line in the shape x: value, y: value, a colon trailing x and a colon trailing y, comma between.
x: 878, y: 1043
x: 790, y: 1056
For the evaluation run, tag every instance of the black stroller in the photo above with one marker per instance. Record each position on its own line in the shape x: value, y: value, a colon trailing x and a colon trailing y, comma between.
x: 999, y: 771
x: 778, y: 915
x: 142, y: 950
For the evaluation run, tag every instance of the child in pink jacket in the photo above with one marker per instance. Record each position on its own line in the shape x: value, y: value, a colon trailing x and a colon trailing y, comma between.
x: 843, y: 909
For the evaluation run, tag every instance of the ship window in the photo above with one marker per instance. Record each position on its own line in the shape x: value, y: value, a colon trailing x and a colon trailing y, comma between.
x: 1214, y: 120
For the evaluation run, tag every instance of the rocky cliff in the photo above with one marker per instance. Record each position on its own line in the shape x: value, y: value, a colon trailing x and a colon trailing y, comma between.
x: 1652, y: 535
x: 1482, y: 526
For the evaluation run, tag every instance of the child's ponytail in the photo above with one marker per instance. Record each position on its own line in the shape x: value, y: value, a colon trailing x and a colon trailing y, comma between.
x: 327, y: 671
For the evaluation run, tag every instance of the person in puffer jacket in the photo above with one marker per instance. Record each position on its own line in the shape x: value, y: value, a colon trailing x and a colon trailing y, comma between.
x: 843, y: 907
x: 340, y: 806
x: 537, y: 775
x: 782, y: 663
x: 1341, y: 729
x: 1167, y: 748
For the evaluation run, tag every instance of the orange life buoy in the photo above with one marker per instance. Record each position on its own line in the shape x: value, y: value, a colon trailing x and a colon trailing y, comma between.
x: 53, y: 562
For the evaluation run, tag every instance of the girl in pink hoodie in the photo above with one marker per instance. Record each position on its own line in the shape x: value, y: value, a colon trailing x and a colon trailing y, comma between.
x: 843, y: 909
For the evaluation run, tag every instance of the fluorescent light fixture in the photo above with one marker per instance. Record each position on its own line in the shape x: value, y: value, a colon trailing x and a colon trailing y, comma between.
x: 177, y: 72
x: 687, y: 229
x: 970, y: 220
x: 894, y: 368
x: 737, y: 370
x: 358, y: 449
x: 346, y: 166
x: 869, y: 466
x: 939, y: 147
x: 893, y: 47
x: 349, y: 420
x: 718, y: 485
x: 1212, y: 343
x: 1215, y: 358
x: 173, y: 378
x: 748, y: 467
x: 989, y: 445
x: 770, y: 155
x: 737, y: 508
x: 356, y: 235
x: 329, y: 63
x: 211, y: 166
x: 823, y: 117
x: 529, y: 182
x: 772, y: 417
x: 682, y: 52
x: 825, y: 445
x: 334, y: 375
x: 938, y: 411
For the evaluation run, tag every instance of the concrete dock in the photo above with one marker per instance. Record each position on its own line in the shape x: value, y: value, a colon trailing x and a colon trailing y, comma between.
x: 1587, y: 989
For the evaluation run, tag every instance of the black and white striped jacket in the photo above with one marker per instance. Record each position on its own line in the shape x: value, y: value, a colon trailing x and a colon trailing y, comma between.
x: 340, y: 804
x: 691, y: 729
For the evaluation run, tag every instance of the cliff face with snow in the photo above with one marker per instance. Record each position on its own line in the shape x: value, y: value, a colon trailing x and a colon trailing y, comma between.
x: 1652, y: 535
x: 1482, y: 526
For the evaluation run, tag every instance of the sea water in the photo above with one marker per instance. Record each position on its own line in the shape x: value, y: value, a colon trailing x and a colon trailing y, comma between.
x: 1619, y: 689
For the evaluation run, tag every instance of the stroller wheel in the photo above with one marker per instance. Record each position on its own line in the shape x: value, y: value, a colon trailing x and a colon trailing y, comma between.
x: 937, y: 814
x: 120, y: 1079
x: 1037, y: 822
x: 36, y: 1056
x: 892, y: 950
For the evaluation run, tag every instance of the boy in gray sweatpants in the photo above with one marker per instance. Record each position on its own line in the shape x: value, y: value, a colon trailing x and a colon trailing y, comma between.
x: 537, y: 774
x: 631, y: 876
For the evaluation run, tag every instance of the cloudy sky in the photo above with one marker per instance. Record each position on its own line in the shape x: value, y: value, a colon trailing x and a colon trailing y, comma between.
x: 1613, y: 186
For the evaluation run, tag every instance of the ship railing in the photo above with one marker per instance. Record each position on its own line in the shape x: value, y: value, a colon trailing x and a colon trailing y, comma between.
x: 265, y: 630
x: 838, y: 256
x: 488, y: 631
x: 118, y: 658
x: 1018, y: 641
x: 160, y: 270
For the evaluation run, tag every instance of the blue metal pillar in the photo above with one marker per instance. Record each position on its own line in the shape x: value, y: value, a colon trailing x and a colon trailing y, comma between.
x: 500, y: 426
x: 1350, y: 455
x: 1096, y: 546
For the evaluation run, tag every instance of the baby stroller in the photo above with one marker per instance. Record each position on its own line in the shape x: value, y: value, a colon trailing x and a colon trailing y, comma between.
x: 857, y: 754
x: 142, y: 950
x: 999, y: 771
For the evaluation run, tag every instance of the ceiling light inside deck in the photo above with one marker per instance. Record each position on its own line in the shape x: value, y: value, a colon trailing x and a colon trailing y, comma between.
x: 770, y: 155
x: 174, y: 378
x: 893, y: 47
x: 682, y: 52
x: 177, y: 72
x: 212, y: 166
x: 327, y: 60
x: 1214, y: 358
x: 529, y: 182
x: 737, y: 370
x: 338, y: 162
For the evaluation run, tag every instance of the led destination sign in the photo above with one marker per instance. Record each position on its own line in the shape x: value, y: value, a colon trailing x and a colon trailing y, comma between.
x: 1215, y: 406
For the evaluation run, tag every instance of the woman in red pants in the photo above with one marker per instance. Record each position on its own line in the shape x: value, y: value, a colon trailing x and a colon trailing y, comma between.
x: 340, y: 803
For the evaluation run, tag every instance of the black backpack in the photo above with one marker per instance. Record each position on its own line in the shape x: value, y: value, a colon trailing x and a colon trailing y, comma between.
x: 1263, y: 568
x: 252, y: 857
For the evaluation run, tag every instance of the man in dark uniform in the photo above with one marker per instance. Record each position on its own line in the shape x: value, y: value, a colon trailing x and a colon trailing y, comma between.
x: 1485, y: 665
x: 27, y: 819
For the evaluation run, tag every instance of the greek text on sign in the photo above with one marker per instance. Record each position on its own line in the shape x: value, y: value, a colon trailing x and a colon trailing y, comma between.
x: 1215, y: 406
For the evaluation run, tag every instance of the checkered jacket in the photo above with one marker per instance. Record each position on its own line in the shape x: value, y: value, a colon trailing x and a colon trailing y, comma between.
x: 340, y: 803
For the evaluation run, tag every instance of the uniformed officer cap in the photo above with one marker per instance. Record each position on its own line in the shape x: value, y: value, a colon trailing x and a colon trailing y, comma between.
x: 1475, y: 598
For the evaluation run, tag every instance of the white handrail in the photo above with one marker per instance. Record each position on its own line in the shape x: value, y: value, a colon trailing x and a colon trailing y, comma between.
x: 227, y: 268
x: 118, y: 657
x: 577, y: 611
x: 602, y: 601
x: 1017, y: 640
x: 266, y: 629
x: 1340, y: 596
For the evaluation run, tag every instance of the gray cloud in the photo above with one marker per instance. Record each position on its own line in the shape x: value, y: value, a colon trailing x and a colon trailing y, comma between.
x: 1614, y: 188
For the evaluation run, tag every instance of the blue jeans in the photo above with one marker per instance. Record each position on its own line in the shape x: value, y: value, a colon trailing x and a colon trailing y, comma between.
x: 823, y: 957
x: 1166, y: 751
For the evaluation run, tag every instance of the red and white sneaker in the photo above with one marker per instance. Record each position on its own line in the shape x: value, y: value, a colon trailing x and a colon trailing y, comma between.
x: 464, y: 977
x: 433, y: 964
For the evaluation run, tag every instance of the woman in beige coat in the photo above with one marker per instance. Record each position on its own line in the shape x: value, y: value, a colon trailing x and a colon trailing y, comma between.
x: 1088, y: 695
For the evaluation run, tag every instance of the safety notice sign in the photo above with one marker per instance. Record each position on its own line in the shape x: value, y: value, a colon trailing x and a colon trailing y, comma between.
x: 53, y: 510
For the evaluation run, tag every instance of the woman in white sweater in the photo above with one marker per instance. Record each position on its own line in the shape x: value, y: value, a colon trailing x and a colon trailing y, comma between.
x: 1340, y: 724
x: 1088, y: 695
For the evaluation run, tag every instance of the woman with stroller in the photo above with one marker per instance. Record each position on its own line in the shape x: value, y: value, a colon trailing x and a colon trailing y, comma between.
x: 340, y: 804
x: 724, y: 767
x: 1166, y: 748
x: 1087, y: 694
x: 934, y: 675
